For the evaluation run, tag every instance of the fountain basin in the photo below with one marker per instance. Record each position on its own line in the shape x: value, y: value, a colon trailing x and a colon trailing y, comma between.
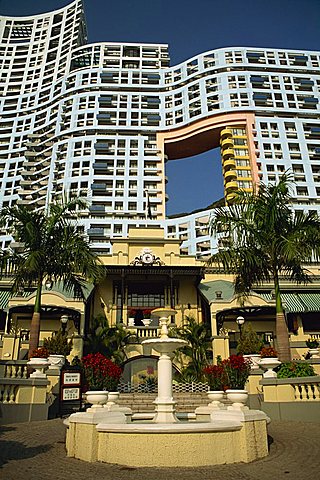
x: 169, y: 445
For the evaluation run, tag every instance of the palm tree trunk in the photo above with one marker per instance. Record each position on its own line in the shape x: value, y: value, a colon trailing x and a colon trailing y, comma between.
x: 282, y: 334
x: 35, y: 321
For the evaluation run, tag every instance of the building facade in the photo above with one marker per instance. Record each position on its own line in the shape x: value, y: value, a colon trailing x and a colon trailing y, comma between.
x: 100, y: 121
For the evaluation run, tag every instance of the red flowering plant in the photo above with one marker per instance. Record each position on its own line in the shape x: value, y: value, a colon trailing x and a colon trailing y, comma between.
x: 147, y: 313
x: 237, y: 370
x: 215, y: 376
x: 100, y: 373
x: 268, y: 352
x: 40, y: 352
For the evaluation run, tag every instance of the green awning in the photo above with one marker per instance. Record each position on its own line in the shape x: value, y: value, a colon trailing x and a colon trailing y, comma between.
x: 298, y: 302
x: 311, y: 301
x: 4, y: 298
x: 292, y: 303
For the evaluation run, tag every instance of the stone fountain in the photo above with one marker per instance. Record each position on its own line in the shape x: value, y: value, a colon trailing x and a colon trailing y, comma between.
x: 165, y: 405
x: 228, y: 436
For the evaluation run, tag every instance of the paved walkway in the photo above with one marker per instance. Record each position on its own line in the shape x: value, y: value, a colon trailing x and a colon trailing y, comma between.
x: 35, y: 451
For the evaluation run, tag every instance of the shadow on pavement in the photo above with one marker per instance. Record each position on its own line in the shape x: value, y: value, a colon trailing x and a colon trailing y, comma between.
x: 18, y: 451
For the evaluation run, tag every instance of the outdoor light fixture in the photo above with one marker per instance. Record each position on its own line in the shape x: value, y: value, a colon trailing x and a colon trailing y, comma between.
x: 64, y: 320
x: 48, y: 284
x: 240, y: 321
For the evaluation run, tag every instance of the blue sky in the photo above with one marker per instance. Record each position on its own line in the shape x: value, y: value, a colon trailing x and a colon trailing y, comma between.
x: 191, y: 27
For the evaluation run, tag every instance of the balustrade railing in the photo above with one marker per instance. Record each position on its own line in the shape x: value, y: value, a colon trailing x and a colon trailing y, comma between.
x: 307, y: 391
x: 13, y: 369
x: 8, y: 393
x: 146, y: 332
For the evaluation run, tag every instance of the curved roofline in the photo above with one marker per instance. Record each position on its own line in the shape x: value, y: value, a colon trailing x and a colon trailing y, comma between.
x: 16, y: 17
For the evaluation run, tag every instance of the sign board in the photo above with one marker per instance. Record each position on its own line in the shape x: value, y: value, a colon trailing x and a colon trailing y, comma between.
x: 71, y: 393
x: 70, y: 390
x: 71, y: 378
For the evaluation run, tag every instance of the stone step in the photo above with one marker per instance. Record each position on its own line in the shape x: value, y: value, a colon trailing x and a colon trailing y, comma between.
x: 143, y: 402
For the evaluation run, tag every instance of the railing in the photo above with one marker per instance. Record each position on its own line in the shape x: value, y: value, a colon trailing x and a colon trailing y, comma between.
x: 146, y: 332
x: 13, y: 369
x: 152, y: 387
x: 307, y: 391
x: 8, y: 393
x: 300, y: 389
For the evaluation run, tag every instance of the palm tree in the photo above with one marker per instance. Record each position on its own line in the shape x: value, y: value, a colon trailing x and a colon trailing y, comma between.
x: 111, y: 341
x: 266, y: 239
x: 52, y: 248
x: 198, y: 350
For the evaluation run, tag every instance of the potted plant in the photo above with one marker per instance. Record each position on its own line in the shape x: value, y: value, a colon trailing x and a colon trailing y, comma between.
x: 146, y: 317
x: 59, y: 347
x: 216, y: 378
x: 237, y: 370
x: 313, y: 345
x: 39, y: 362
x: 131, y: 317
x: 101, y: 375
x: 250, y: 345
x: 269, y: 361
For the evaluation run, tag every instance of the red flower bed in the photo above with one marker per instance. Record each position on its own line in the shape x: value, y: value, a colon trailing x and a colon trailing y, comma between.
x: 100, y: 372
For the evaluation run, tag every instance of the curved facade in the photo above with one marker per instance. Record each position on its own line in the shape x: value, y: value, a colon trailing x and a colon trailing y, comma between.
x: 100, y: 121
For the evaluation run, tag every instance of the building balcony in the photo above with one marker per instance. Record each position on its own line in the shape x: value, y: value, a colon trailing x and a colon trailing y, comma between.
x: 226, y: 132
x: 230, y: 174
x: 231, y: 185
x: 226, y: 142
x: 227, y: 153
x: 230, y: 163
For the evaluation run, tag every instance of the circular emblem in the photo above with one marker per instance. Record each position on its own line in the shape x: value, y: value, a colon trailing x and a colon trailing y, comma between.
x: 147, y: 258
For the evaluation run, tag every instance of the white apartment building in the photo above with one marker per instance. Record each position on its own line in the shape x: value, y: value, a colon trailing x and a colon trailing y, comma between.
x: 100, y: 121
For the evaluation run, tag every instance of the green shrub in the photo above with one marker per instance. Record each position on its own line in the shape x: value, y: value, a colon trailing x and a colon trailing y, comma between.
x: 58, y: 344
x: 294, y: 369
x: 249, y: 341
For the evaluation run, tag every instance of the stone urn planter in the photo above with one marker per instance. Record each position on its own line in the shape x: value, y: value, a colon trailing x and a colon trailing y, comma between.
x: 268, y: 364
x: 56, y: 362
x: 314, y: 352
x: 113, y: 398
x: 97, y: 398
x: 146, y: 322
x: 254, y: 359
x: 238, y: 398
x: 131, y: 322
x: 39, y: 365
x: 215, y: 397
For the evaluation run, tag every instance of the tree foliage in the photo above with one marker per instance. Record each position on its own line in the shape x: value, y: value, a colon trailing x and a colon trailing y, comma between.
x: 110, y: 341
x: 266, y: 239
x: 51, y: 247
x: 198, y: 351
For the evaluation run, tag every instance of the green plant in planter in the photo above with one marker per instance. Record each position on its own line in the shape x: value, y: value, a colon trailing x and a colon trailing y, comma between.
x: 295, y: 369
x: 58, y: 344
x: 312, y: 343
x: 249, y: 342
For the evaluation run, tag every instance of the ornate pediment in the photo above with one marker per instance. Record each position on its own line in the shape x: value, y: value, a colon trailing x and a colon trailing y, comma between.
x: 147, y: 257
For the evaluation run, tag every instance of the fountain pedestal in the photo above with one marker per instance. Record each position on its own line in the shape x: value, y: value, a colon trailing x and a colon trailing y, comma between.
x: 165, y: 405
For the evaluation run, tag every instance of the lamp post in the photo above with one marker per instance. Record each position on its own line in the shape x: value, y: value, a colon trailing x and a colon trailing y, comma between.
x: 64, y: 320
x: 240, y: 321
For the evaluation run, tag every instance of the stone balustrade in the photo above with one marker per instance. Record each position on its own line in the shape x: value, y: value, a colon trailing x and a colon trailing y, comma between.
x: 292, y: 398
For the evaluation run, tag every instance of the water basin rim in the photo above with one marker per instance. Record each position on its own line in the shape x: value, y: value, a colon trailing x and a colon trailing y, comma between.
x: 158, y: 428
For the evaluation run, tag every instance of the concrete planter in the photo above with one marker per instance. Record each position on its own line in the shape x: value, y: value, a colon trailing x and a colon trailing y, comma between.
x: 56, y: 362
x: 39, y: 365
